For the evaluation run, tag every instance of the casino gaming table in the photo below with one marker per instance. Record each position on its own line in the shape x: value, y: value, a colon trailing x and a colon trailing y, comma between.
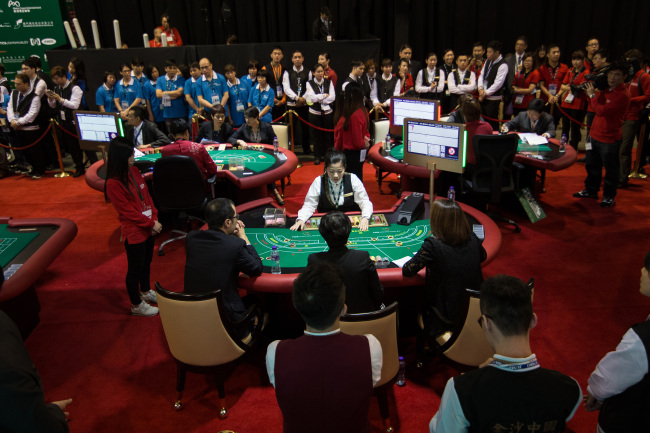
x: 27, y: 248
x: 261, y: 168
x: 394, y: 242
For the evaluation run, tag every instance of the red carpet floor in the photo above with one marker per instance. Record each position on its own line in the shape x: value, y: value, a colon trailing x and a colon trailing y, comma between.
x: 117, y: 368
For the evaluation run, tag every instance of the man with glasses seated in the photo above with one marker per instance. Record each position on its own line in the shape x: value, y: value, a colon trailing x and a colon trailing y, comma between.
x: 511, y: 391
x: 216, y: 256
x: 141, y: 132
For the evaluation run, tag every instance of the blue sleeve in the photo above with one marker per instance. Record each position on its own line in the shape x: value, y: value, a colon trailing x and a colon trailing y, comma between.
x: 187, y: 88
x: 138, y: 91
x: 271, y: 102
x: 99, y: 97
x: 251, y: 98
x: 160, y: 84
x: 117, y: 92
x: 199, y: 89
x: 224, y: 83
x: 180, y: 83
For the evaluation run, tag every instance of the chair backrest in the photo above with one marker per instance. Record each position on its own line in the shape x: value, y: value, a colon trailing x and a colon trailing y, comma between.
x: 470, y: 346
x: 383, y: 325
x: 282, y: 132
x: 494, y: 157
x: 178, y: 183
x: 381, y: 128
x: 194, y: 329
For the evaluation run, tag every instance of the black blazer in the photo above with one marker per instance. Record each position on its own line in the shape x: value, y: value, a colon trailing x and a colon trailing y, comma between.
x: 521, y: 123
x: 206, y: 130
x: 243, y: 133
x: 363, y: 291
x: 214, y: 261
x: 150, y: 134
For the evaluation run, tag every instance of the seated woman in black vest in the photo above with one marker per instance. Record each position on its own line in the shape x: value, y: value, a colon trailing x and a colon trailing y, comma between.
x: 254, y: 131
x: 217, y: 130
x: 335, y: 190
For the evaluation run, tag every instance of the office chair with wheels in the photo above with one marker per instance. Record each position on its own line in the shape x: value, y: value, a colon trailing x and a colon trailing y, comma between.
x: 495, y: 172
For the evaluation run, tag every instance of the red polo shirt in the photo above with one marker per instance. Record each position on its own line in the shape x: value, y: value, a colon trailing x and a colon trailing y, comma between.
x: 610, y: 106
x: 641, y: 81
x: 196, y: 151
x: 550, y: 76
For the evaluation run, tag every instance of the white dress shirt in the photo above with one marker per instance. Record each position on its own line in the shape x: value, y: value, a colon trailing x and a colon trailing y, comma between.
x: 286, y: 85
x: 313, y: 195
x: 431, y: 73
x: 499, y: 80
x: 314, y: 97
x: 461, y: 89
x: 75, y: 98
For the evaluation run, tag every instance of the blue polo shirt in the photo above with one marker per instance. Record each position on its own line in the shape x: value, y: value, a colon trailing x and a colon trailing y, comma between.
x: 191, y: 88
x: 127, y: 93
x: 149, y: 90
x: 217, y: 86
x: 260, y: 100
x: 178, y: 107
x: 238, y: 101
x: 104, y: 97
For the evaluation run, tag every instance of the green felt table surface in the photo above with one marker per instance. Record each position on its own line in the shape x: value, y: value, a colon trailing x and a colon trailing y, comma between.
x: 255, y: 160
x: 378, y: 241
x: 12, y: 243
x: 397, y: 152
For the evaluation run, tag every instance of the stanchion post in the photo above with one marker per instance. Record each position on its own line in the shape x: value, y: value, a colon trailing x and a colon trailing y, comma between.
x: 102, y: 149
x: 63, y: 173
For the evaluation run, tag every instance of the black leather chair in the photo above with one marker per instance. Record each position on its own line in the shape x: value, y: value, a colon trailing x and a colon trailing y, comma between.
x: 178, y: 185
x: 495, y: 172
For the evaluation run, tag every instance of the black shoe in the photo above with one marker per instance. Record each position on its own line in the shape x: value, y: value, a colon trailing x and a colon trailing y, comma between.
x: 608, y: 202
x: 583, y: 159
x: 585, y: 194
x: 36, y: 176
x: 316, y: 161
x: 79, y: 172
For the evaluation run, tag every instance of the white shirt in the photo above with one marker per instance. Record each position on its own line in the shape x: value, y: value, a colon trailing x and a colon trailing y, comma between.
x: 137, y: 134
x: 41, y: 87
x: 387, y: 78
x: 75, y: 98
x: 313, y: 195
x: 27, y: 118
x: 376, y: 355
x: 499, y: 80
x: 373, y: 88
x: 314, y: 97
x: 287, y: 85
x: 427, y: 89
x: 460, y: 89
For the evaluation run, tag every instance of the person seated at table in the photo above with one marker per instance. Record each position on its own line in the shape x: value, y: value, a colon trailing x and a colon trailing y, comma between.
x: 363, y: 291
x: 218, y: 130
x: 216, y: 256
x: 183, y: 146
x: 254, y: 131
x: 141, y: 132
x: 324, y: 379
x: 474, y: 125
x: 452, y: 256
x: 533, y: 120
x: 335, y: 190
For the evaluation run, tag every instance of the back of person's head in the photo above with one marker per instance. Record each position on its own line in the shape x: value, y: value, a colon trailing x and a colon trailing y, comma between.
x: 507, y: 302
x: 117, y: 162
x: 633, y: 53
x: 58, y: 71
x: 335, y: 228
x: 603, y: 53
x: 37, y: 61
x: 334, y: 156
x: 495, y: 45
x: 252, y: 113
x: 218, y: 211
x: 178, y: 127
x: 536, y: 105
x: 619, y: 65
x: 470, y: 108
x: 448, y: 222
x: 319, y: 295
x: 137, y: 61
x: 138, y: 113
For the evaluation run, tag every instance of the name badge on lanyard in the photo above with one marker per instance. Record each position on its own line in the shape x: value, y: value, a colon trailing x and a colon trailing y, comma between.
x: 62, y: 113
x: 519, y: 99
x: 278, y: 90
x: 569, y: 98
x: 215, y: 98
x: 552, y: 89
x: 167, y: 101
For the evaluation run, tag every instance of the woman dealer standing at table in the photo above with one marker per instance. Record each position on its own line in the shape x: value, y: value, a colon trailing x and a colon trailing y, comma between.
x: 335, y: 190
x: 127, y: 191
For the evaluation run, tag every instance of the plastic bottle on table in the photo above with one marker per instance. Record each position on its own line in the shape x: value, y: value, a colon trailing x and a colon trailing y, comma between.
x: 563, y: 143
x: 275, y: 260
x: 451, y: 194
x: 401, y: 374
x: 387, y: 145
x: 276, y: 146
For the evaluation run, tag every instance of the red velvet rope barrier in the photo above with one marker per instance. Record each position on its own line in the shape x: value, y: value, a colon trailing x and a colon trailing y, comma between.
x: 29, y: 145
x: 66, y: 131
x: 582, y: 125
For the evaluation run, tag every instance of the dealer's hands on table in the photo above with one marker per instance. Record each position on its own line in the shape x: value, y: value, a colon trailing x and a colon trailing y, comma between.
x: 363, y: 224
x: 299, y: 225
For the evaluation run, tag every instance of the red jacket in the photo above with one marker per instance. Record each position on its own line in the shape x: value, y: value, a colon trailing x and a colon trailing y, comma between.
x: 641, y: 79
x: 578, y: 100
x: 353, y: 138
x: 610, y: 106
x: 523, y: 81
x: 196, y: 151
x: 136, y: 227
x: 549, y: 76
x: 477, y: 127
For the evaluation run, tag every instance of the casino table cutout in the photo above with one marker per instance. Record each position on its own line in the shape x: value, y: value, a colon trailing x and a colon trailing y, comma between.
x: 377, y: 241
x: 12, y: 243
x: 255, y: 161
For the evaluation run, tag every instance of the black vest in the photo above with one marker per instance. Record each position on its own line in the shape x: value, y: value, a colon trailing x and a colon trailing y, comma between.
x: 448, y: 71
x: 271, y: 79
x: 465, y: 79
x: 492, y: 75
x: 425, y: 77
x: 367, y: 84
x: 385, y: 89
x: 628, y: 411
x: 65, y: 93
x: 294, y: 77
x: 23, y: 108
x: 326, y: 202
x: 317, y: 90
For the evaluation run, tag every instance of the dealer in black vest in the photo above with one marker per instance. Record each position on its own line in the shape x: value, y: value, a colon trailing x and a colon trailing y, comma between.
x: 492, y: 83
x: 335, y: 190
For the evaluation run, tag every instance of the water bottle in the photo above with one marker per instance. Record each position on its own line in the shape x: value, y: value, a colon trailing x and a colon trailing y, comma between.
x: 401, y: 374
x: 563, y: 143
x: 275, y: 260
x: 276, y: 146
x: 451, y: 194
x: 387, y: 143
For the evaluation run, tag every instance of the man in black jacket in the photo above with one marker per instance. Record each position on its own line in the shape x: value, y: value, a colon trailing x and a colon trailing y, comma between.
x: 363, y: 291
x: 532, y: 120
x: 141, y: 132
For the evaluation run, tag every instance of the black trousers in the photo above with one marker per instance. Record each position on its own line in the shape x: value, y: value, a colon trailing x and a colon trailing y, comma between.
x: 491, y: 109
x: 353, y: 165
x: 71, y: 144
x: 36, y: 154
x: 139, y: 258
x: 322, y: 141
x: 300, y: 130
x: 603, y: 155
x: 570, y: 128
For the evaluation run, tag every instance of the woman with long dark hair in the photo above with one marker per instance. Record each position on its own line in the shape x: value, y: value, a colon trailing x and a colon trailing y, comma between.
x: 452, y: 256
x: 351, y: 131
x: 218, y: 130
x: 77, y: 75
x: 127, y: 191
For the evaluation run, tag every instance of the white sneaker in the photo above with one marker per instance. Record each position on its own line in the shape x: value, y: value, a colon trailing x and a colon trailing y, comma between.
x: 143, y: 309
x: 149, y: 297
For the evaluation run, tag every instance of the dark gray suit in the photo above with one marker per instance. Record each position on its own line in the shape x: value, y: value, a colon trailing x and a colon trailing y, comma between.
x: 150, y: 135
x: 521, y: 123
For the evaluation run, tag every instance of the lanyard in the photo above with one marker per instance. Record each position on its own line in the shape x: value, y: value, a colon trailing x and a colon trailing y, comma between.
x: 576, y: 73
x: 525, y: 76
x: 125, y: 88
x: 137, y: 188
x: 555, y: 71
x: 170, y: 83
x: 277, y: 72
x: 336, y: 195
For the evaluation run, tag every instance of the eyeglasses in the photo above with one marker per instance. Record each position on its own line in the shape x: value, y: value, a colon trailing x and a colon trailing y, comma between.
x: 236, y: 217
x: 480, y: 319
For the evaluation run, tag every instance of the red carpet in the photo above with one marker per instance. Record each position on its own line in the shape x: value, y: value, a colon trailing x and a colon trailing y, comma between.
x: 117, y: 368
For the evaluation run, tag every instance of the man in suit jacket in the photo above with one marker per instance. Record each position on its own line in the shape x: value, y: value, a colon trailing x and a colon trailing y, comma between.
x: 216, y: 256
x: 363, y: 291
x: 533, y: 120
x: 141, y: 132
x: 515, y: 60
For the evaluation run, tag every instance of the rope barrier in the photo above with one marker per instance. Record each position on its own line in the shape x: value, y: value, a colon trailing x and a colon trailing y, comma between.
x: 65, y: 130
x: 29, y: 145
x: 309, y: 124
x: 582, y: 125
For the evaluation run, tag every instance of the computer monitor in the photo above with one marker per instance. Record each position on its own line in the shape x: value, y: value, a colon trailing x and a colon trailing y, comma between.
x: 95, y: 128
x: 432, y: 141
x: 401, y: 108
